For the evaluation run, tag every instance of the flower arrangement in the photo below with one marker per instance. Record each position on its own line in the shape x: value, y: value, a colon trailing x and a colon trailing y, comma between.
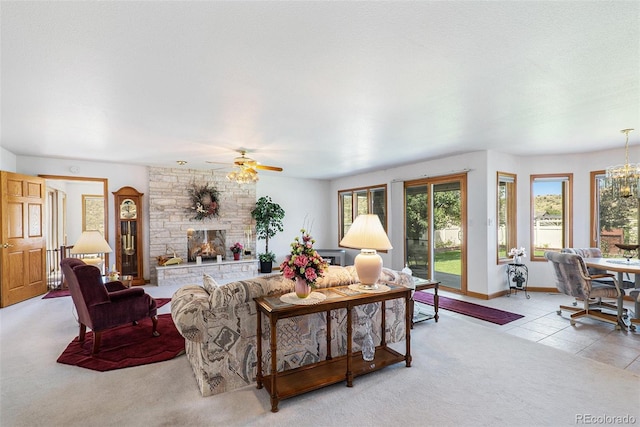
x: 304, y: 261
x: 204, y: 201
x: 515, y: 252
x: 236, y: 248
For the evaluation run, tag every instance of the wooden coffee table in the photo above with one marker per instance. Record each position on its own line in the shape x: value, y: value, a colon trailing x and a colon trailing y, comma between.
x: 421, y: 285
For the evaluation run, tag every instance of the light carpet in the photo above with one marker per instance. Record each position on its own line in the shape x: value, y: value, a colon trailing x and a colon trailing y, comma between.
x: 463, y: 374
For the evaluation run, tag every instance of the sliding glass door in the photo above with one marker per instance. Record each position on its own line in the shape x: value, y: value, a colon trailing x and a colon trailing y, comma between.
x: 435, y: 229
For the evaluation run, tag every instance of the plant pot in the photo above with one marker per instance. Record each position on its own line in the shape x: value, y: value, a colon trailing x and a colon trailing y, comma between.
x: 236, y: 256
x: 266, y: 266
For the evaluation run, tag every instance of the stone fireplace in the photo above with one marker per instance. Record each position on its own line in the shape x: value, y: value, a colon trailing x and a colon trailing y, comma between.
x: 171, y: 221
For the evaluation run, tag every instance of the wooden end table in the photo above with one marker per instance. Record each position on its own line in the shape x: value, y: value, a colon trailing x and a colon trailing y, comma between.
x: 421, y: 285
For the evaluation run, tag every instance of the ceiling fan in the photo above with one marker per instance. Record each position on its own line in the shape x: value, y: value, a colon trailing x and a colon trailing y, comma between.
x: 247, y: 168
x: 245, y: 162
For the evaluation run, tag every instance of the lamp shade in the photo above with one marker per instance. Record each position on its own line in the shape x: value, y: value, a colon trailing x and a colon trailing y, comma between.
x: 366, y: 232
x: 91, y: 242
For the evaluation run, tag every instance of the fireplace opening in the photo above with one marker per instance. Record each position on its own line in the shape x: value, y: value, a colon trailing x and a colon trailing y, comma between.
x: 207, y: 244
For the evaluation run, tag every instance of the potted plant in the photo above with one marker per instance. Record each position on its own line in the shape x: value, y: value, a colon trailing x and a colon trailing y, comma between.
x: 267, y: 258
x: 236, y: 249
x: 268, y: 216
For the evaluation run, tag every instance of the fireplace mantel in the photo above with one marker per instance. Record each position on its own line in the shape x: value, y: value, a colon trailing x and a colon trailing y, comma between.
x: 191, y: 273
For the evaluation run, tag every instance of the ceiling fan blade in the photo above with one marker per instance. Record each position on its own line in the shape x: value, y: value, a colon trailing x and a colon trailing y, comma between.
x: 268, y: 168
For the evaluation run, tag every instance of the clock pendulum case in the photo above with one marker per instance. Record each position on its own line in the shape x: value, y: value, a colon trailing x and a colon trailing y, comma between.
x: 129, y: 226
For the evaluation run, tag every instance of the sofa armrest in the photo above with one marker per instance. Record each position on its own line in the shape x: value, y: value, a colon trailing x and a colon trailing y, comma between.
x: 189, y: 310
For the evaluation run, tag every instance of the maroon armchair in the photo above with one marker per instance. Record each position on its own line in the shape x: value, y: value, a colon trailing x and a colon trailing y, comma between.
x: 101, y: 307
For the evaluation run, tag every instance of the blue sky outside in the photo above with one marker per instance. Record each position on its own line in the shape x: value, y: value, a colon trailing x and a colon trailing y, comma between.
x: 544, y: 188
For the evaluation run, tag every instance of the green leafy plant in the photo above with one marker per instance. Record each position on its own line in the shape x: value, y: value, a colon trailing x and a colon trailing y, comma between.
x: 268, y: 216
x: 267, y: 257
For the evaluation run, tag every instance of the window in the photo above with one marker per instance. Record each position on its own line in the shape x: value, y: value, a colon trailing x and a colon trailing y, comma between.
x: 362, y: 201
x: 613, y: 220
x: 507, y: 224
x: 551, y: 214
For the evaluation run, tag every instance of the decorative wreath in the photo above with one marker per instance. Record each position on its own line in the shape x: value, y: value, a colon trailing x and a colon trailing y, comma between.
x: 204, y: 201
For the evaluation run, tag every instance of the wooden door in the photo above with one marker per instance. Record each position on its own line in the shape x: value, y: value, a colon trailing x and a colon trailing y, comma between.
x: 22, y: 242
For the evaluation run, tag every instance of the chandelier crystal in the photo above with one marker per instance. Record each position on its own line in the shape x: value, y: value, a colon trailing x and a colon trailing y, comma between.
x: 624, y: 180
x: 243, y: 175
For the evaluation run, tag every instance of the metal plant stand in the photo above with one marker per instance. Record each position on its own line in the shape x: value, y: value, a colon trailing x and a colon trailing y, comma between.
x: 517, y: 278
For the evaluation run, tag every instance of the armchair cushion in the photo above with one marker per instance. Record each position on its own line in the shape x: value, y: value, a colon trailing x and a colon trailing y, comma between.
x: 209, y: 283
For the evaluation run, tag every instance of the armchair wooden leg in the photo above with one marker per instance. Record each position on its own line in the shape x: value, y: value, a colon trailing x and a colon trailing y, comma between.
x: 83, y: 332
x: 96, y: 341
x: 155, y: 333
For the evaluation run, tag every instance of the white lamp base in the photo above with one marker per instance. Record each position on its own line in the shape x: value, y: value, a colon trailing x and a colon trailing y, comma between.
x: 98, y: 262
x: 368, y: 266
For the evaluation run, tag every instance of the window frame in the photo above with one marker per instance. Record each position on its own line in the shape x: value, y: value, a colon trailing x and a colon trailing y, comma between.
x: 356, y: 194
x: 567, y: 207
x: 595, y: 233
x: 511, y: 220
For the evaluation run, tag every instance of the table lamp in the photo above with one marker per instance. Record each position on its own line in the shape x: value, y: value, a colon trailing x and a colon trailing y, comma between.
x: 92, y: 243
x: 366, y: 233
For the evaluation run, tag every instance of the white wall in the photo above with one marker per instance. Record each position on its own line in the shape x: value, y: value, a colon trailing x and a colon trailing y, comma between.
x: 485, y: 276
x: 305, y: 204
x: 317, y: 202
x: 118, y: 175
x: 7, y: 160
x: 475, y: 163
x: 300, y: 198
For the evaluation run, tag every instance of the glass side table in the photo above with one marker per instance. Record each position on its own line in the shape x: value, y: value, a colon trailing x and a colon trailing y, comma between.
x: 517, y: 278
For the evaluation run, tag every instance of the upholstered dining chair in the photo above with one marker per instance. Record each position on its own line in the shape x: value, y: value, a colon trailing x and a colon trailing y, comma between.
x: 573, y: 279
x: 104, y: 306
x: 597, y: 253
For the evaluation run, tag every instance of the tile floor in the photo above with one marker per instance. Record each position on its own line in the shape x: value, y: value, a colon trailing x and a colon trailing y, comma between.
x: 588, y: 338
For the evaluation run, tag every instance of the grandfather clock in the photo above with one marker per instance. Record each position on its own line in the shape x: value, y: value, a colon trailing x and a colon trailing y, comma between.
x: 128, y: 253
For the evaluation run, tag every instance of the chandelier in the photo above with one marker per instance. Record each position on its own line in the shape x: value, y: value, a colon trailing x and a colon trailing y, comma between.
x: 243, y: 175
x: 624, y: 180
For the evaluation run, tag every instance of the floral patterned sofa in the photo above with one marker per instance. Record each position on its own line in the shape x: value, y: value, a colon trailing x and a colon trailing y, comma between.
x: 219, y: 326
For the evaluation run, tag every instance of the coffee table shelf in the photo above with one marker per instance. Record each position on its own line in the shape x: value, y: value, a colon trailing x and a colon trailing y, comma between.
x: 327, y: 372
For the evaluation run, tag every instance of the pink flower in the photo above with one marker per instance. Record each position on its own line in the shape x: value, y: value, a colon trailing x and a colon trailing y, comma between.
x: 301, y: 261
x: 288, y: 273
x: 310, y: 274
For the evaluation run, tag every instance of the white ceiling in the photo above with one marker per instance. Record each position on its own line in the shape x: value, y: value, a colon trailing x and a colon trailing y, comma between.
x: 323, y: 89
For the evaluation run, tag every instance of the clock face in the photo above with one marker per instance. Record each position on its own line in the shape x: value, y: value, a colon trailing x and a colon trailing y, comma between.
x: 128, y: 209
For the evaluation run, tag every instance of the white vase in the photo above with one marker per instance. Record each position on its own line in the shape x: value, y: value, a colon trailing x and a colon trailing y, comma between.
x: 517, y: 259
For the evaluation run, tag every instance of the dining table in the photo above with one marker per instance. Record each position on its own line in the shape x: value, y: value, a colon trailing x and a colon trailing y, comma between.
x: 618, y: 265
x: 621, y: 266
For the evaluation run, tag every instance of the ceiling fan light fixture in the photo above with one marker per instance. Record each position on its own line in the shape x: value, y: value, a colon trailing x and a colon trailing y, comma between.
x: 624, y: 180
x: 243, y: 175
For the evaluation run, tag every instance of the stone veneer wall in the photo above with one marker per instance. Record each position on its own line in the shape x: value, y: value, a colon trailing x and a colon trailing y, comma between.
x: 170, y: 215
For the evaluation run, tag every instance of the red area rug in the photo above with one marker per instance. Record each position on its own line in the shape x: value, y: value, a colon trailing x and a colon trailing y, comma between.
x: 127, y: 346
x: 57, y: 293
x: 493, y: 315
